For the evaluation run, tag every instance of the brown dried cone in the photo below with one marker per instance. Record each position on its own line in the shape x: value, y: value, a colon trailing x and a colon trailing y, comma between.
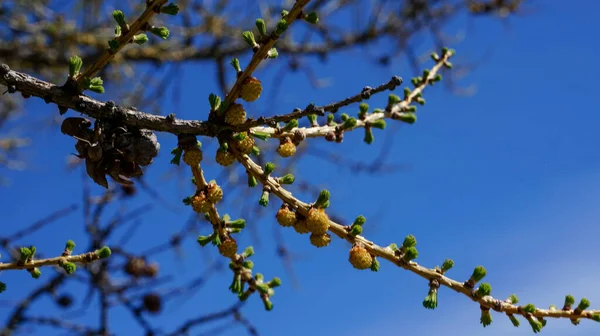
x: 192, y: 156
x: 151, y: 270
x: 245, y: 145
x: 135, y: 266
x: 286, y: 148
x: 200, y: 203
x: 320, y: 240
x: 228, y: 247
x: 300, y: 226
x: 285, y: 216
x: 251, y: 89
x: 214, y: 193
x: 317, y: 221
x: 152, y: 303
x: 235, y: 114
x: 359, y: 257
x: 224, y: 157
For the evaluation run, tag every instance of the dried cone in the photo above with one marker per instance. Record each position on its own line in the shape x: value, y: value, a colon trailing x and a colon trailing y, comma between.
x: 135, y: 267
x: 200, y: 203
x: 300, y: 226
x: 214, y: 193
x: 317, y: 221
x: 285, y: 216
x: 245, y: 146
x: 360, y: 258
x: 286, y: 148
x: 235, y: 114
x: 251, y: 89
x: 224, y: 158
x: 152, y: 303
x: 320, y: 240
x: 228, y: 247
x: 192, y: 156
x: 151, y: 270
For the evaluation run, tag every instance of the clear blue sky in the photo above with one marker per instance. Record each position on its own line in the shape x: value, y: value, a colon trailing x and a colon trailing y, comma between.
x: 508, y: 178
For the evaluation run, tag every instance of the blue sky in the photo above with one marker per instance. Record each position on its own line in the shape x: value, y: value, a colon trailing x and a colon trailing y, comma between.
x: 507, y: 178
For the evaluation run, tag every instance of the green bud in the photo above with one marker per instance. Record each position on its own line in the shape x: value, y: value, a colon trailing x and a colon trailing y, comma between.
x: 204, y: 240
x: 259, y: 277
x: 248, y: 37
x: 69, y: 267
x: 445, y: 51
x: 513, y: 299
x: 261, y: 135
x: 312, y: 119
x: 264, y: 198
x: 75, y: 64
x: 120, y: 18
x: 239, y: 136
x: 484, y: 289
x: 595, y: 317
x: 344, y: 116
x: 420, y: 100
x: 118, y: 31
x: 214, y: 101
x: 323, y: 199
x: 380, y: 123
x: 248, y: 264
x: 287, y: 179
x: 409, y: 118
x: 393, y: 99
x: 355, y: 230
x: 235, y: 63
x: 281, y: 27
x: 528, y: 308
x: 170, y: 9
x: 262, y: 288
x: 113, y: 44
x: 407, y: 92
x: 236, y: 284
x: 409, y: 241
x: 360, y: 220
x: 276, y: 282
x: 272, y: 53
x: 434, y: 56
x: 535, y: 324
x: 430, y: 301
x: 35, y: 273
x: 583, y: 305
x: 140, y: 39
x: 416, y: 81
x: 411, y: 253
x: 569, y: 301
x: 410, y: 108
x: 268, y: 304
x: 284, y: 13
x: 261, y: 26
x: 70, y: 245
x: 216, y: 240
x: 225, y: 217
x: 330, y: 118
x: 311, y: 17
x: 95, y: 84
x: 486, y: 317
x: 269, y: 168
x: 238, y: 223
x: 478, y: 273
x: 290, y: 125
x: 245, y: 295
x: 177, y: 152
x: 2, y: 287
x: 375, y: 265
x: 103, y: 252
x: 25, y: 254
x: 514, y: 320
x: 252, y: 181
x: 437, y: 78
x: 349, y: 123
x: 363, y: 107
x: 393, y: 247
x: 447, y: 265
x: 448, y: 65
x: 369, y: 137
x: 161, y: 32
x: 248, y: 252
